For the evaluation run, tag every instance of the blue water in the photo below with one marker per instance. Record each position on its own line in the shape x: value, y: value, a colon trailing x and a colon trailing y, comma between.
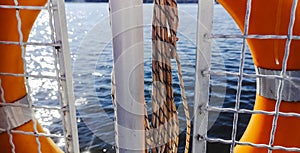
x: 91, y: 51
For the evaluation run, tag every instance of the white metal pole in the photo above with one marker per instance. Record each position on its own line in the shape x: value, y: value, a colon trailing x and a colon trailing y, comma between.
x: 204, y: 30
x: 70, y: 121
x: 128, y: 54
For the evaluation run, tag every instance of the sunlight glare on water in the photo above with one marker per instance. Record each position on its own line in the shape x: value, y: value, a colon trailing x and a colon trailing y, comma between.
x: 91, y: 53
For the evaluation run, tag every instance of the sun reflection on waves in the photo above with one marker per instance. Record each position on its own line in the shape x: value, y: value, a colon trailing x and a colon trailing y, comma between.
x: 43, y: 92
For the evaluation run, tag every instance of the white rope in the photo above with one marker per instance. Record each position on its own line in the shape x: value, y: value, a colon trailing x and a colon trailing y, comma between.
x: 8, y: 130
x: 240, y: 77
x: 284, y: 77
x: 59, y: 78
x: 34, y: 107
x: 37, y: 134
x: 283, y: 74
x: 276, y: 147
x: 53, y: 44
x: 247, y: 111
x: 38, y: 76
x: 253, y: 36
x: 22, y: 7
x: 18, y: 17
x: 277, y: 77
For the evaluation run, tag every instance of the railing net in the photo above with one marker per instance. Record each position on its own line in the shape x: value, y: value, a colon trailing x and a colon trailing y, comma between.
x: 47, y: 72
x: 208, y: 73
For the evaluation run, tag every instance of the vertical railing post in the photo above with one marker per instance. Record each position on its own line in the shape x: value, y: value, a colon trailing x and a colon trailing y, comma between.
x: 128, y: 54
x: 204, y: 31
x: 66, y: 81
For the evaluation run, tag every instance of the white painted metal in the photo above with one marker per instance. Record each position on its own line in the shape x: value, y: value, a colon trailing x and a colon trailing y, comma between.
x: 204, y: 31
x: 67, y: 95
x: 127, y: 30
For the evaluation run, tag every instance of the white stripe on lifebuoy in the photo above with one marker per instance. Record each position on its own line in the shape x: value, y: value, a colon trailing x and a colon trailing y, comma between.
x: 268, y: 87
x: 14, y: 116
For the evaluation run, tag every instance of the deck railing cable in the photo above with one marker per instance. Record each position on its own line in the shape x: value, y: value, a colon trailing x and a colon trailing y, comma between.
x: 204, y: 72
x: 63, y: 76
x: 240, y: 77
x: 283, y: 74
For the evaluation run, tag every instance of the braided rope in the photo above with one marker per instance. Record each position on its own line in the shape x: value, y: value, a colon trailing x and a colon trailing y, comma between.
x: 164, y: 38
x: 163, y: 106
x: 185, y: 104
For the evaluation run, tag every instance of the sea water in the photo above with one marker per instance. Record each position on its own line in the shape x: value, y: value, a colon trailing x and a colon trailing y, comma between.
x: 91, y: 52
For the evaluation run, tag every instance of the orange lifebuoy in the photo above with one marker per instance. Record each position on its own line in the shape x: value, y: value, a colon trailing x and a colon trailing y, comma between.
x: 14, y: 88
x: 270, y: 17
